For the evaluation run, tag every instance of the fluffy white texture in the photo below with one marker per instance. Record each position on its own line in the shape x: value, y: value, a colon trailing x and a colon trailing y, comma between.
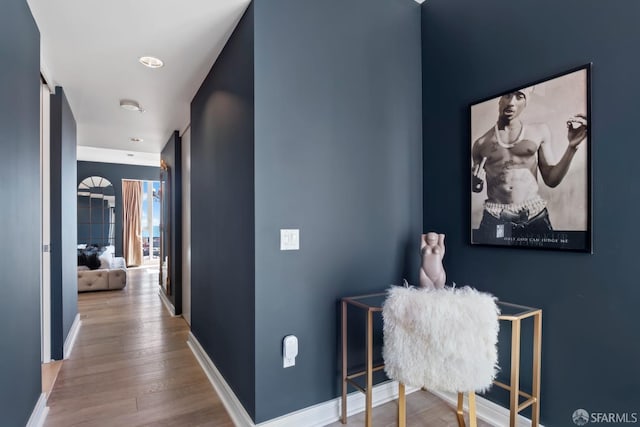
x: 441, y: 339
x: 105, y: 260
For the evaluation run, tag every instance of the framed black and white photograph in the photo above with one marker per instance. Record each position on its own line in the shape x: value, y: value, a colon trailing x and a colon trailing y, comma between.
x: 531, y: 165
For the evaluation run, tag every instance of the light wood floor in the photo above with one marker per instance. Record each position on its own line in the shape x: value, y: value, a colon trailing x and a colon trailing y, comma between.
x: 131, y: 366
x: 49, y: 373
x: 423, y: 410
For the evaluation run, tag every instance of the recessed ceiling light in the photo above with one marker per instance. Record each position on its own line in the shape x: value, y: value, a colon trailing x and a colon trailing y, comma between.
x: 130, y: 105
x: 135, y: 139
x: 151, y: 62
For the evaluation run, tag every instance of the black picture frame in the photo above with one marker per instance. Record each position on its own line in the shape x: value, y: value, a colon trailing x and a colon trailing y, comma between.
x: 520, y: 147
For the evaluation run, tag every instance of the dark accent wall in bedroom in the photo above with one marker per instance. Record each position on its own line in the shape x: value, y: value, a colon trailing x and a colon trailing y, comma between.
x: 472, y: 50
x: 172, y: 155
x: 115, y: 173
x: 20, y: 383
x: 338, y: 146
x: 222, y: 214
x: 64, y: 229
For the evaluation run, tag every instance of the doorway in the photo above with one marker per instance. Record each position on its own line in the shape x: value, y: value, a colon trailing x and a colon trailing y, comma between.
x: 45, y: 221
x: 150, y: 220
x: 50, y: 368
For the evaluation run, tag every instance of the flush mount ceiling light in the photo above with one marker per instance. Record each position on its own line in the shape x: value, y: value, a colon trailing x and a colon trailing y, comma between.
x: 136, y: 139
x: 151, y: 62
x: 130, y: 105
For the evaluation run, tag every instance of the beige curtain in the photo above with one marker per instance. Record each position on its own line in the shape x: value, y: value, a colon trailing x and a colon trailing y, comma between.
x: 131, y: 226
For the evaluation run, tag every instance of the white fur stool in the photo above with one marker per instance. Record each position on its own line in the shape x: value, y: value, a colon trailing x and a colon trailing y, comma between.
x: 442, y: 339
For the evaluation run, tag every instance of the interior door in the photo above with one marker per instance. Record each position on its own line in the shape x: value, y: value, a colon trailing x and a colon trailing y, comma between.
x: 186, y: 225
x: 45, y: 216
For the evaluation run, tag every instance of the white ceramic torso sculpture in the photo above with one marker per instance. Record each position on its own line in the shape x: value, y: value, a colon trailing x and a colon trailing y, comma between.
x: 432, y: 274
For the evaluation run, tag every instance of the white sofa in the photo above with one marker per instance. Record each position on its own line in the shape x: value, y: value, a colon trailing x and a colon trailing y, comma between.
x: 112, y: 277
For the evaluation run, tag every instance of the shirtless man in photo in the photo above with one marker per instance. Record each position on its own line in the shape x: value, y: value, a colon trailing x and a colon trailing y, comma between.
x: 509, y: 156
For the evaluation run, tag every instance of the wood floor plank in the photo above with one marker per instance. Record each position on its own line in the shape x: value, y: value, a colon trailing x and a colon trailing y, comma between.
x: 152, y: 400
x: 60, y: 417
x: 130, y: 365
x: 147, y: 373
x: 424, y: 409
x: 49, y: 374
x: 110, y: 363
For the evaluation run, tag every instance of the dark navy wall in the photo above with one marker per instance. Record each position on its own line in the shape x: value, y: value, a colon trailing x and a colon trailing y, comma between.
x: 472, y: 50
x: 64, y: 230
x: 20, y: 194
x: 338, y: 151
x: 115, y: 173
x: 172, y: 155
x: 222, y: 213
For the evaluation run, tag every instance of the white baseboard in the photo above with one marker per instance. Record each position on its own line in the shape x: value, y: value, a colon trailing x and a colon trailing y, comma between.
x: 488, y: 411
x: 39, y: 413
x: 167, y: 303
x: 329, y: 412
x: 313, y: 416
x: 71, y: 336
x: 236, y: 411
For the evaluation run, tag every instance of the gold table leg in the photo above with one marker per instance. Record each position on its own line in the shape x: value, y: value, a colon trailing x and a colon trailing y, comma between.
x: 369, y: 399
x: 460, y: 410
x: 515, y: 372
x: 402, y: 406
x: 537, y: 355
x: 343, y: 418
x: 473, y: 420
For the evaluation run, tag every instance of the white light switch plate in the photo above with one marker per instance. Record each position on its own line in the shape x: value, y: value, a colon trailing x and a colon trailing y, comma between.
x: 289, y: 239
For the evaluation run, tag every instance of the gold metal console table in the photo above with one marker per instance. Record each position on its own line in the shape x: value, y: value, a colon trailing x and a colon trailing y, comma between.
x: 372, y: 303
x: 516, y: 314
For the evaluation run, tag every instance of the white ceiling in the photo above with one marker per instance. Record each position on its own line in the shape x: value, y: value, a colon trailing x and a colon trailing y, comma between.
x: 91, y: 49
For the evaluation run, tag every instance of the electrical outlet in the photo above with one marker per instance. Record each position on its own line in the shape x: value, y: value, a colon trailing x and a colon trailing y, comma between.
x: 289, y: 351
